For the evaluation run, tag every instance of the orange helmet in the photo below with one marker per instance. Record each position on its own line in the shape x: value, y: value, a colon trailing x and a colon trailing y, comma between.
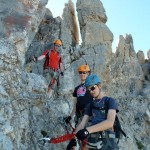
x: 59, y: 42
x: 85, y: 68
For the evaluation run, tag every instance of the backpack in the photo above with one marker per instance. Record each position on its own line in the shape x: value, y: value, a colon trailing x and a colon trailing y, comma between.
x: 117, y: 126
x: 46, y: 63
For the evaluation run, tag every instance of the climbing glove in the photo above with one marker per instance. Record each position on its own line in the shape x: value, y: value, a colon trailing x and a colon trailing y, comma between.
x: 44, y: 133
x: 82, y: 134
x: 67, y: 119
x: 35, y: 59
x: 62, y: 74
x: 71, y: 144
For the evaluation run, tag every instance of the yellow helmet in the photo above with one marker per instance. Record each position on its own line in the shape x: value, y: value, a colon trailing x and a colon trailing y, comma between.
x: 59, y: 42
x: 85, y: 68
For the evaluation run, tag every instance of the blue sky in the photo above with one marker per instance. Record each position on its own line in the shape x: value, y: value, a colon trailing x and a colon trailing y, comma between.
x: 124, y: 16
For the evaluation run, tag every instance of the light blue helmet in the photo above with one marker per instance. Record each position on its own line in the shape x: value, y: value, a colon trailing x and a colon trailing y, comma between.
x: 92, y: 80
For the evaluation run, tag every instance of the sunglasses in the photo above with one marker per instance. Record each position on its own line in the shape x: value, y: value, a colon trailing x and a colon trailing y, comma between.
x: 81, y: 72
x: 57, y: 45
x: 91, y: 88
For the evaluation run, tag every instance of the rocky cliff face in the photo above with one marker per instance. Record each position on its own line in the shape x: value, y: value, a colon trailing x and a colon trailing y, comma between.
x: 27, y: 29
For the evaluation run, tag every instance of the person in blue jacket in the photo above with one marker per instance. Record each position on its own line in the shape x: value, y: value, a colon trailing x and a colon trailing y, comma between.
x: 101, y: 122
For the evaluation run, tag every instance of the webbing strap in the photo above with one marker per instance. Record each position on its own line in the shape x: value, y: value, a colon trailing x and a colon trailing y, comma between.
x: 73, y: 129
x: 62, y: 138
x: 120, y: 127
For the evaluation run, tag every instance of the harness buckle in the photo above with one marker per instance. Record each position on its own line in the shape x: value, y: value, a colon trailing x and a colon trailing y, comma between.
x: 99, y: 144
x: 111, y: 135
x: 107, y: 134
x: 53, y: 69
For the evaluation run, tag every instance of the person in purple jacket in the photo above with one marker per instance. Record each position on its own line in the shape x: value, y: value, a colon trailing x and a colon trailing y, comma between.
x: 82, y: 98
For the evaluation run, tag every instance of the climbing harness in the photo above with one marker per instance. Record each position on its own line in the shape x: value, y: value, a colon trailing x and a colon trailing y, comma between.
x: 117, y: 126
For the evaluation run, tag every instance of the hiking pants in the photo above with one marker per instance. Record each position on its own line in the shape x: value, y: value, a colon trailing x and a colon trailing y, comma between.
x: 52, y: 77
x: 109, y: 144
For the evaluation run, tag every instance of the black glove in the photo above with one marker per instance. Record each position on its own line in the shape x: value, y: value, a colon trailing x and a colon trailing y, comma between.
x: 62, y: 74
x: 67, y: 119
x: 44, y: 133
x: 71, y: 144
x: 35, y: 59
x: 82, y: 134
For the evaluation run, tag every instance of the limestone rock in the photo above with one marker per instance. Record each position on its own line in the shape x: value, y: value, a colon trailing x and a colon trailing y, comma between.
x: 70, y: 31
x: 27, y: 29
x: 140, y: 56
x: 126, y: 70
x: 146, y: 70
x: 148, y: 54
x: 92, y: 19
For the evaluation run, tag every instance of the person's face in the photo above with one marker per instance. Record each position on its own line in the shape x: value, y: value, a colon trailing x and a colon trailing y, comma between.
x: 56, y: 47
x: 94, y: 90
x: 83, y: 75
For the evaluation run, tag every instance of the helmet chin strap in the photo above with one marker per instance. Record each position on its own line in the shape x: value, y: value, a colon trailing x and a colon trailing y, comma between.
x: 98, y: 94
